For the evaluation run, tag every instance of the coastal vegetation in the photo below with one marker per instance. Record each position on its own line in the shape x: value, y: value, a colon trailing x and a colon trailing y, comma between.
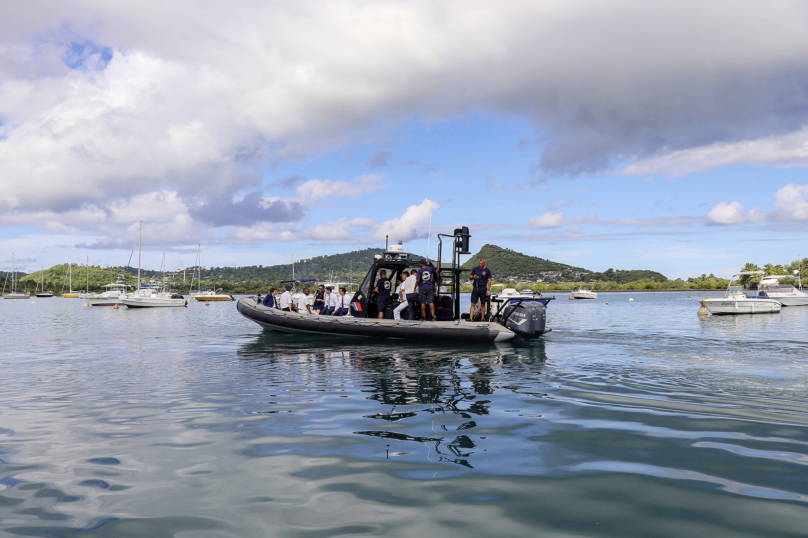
x: 511, y: 269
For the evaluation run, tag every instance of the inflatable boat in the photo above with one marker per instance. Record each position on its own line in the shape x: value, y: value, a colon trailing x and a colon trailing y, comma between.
x: 522, y: 316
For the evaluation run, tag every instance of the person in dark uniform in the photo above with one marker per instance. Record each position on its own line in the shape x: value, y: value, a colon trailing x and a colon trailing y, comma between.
x: 319, y: 300
x: 383, y: 287
x: 425, y: 279
x: 481, y: 278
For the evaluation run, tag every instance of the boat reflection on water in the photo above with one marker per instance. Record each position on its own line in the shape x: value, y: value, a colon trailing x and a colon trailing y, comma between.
x: 406, y: 385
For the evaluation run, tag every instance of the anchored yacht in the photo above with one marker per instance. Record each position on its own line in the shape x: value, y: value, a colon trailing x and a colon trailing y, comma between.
x: 735, y: 300
x: 14, y: 294
x: 770, y: 287
x: 151, y: 296
x: 585, y: 293
x: 113, y: 295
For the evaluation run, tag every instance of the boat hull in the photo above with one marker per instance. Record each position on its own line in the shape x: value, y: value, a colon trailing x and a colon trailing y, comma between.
x: 153, y: 303
x: 44, y: 295
x: 292, y: 322
x: 792, y: 301
x: 749, y: 306
x: 70, y: 295
x: 16, y: 296
x: 214, y: 298
x: 581, y: 295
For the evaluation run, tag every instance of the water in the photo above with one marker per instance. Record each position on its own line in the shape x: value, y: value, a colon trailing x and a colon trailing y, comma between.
x: 629, y: 419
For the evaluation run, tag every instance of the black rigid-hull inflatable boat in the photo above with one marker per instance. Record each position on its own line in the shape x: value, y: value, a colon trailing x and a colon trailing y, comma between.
x: 521, y: 317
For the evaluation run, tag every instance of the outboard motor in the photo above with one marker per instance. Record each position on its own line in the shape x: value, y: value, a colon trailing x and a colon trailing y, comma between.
x: 527, y: 319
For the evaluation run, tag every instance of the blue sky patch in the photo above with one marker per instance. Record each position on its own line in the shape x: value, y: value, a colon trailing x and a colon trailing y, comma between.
x: 87, y: 56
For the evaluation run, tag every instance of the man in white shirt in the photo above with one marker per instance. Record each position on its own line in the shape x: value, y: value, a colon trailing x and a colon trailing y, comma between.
x: 305, y: 302
x: 330, y: 302
x: 401, y: 297
x: 343, y: 303
x: 411, y: 294
x: 285, y: 300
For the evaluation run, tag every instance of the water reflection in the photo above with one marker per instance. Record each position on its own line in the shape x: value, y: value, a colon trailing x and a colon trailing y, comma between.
x: 405, y: 385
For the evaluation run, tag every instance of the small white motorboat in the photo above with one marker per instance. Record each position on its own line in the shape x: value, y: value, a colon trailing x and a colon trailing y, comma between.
x: 736, y: 301
x: 585, y: 293
x: 770, y: 287
x: 113, y: 295
x: 152, y: 296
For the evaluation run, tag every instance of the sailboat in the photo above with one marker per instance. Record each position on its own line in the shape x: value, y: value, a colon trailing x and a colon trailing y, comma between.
x: 207, y: 295
x: 87, y: 294
x: 14, y: 293
x: 151, y: 297
x: 70, y: 294
x: 40, y: 285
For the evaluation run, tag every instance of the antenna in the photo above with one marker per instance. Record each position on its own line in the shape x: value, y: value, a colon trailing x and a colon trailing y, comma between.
x: 428, y: 236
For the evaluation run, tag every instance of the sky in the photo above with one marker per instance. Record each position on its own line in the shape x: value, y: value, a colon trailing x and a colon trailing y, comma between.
x: 670, y: 136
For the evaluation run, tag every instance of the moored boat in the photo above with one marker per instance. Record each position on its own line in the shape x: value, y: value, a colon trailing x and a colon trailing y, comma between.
x: 585, y: 293
x: 770, y: 287
x: 114, y: 294
x: 736, y: 301
x: 524, y: 317
x: 14, y: 294
x: 40, y: 286
x: 150, y: 296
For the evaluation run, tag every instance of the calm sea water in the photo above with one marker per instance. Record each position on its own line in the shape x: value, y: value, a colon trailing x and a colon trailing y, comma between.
x: 630, y: 419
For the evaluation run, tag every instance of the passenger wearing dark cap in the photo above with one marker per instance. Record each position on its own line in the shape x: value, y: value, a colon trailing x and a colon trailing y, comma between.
x: 425, y: 279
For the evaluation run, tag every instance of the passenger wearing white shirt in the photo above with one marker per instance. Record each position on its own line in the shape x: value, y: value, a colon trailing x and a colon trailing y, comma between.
x: 343, y: 303
x: 330, y: 302
x: 411, y: 294
x: 304, y: 302
x: 285, y: 300
x: 401, y: 297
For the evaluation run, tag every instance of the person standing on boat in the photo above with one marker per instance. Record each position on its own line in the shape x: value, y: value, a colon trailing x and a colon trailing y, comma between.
x: 285, y: 300
x: 305, y: 302
x: 405, y: 275
x: 344, y: 304
x: 481, y: 278
x: 411, y: 294
x: 269, y: 300
x: 426, y: 293
x: 319, y: 300
x: 383, y: 287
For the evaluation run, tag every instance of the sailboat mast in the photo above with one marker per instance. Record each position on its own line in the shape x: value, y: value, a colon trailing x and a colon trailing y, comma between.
x: 139, y: 234
x: 12, y: 273
x: 88, y: 276
x: 199, y: 267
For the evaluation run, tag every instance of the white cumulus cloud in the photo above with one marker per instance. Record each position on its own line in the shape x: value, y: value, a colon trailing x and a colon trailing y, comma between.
x: 408, y: 226
x: 791, y: 201
x: 546, y: 221
x: 733, y: 213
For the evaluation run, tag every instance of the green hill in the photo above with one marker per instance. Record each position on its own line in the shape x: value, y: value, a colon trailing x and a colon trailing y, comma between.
x: 56, y: 277
x: 508, y: 264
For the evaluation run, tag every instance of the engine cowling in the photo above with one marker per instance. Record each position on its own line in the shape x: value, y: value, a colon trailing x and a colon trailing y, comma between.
x: 527, y: 320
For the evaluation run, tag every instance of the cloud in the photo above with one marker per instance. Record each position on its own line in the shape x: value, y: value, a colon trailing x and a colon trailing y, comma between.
x: 548, y: 220
x: 262, y: 232
x: 409, y: 225
x: 733, y: 213
x: 381, y: 159
x: 785, y: 150
x: 320, y: 191
x: 250, y: 209
x: 558, y: 205
x: 790, y: 200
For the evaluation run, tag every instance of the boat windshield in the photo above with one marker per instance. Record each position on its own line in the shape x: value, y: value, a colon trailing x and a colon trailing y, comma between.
x: 732, y: 290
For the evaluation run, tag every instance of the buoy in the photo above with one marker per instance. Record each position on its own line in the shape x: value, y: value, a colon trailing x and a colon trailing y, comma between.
x: 85, y: 304
x: 115, y: 307
x: 703, y: 309
x: 607, y: 302
x: 631, y: 300
x: 207, y: 303
x: 570, y: 297
x: 689, y: 296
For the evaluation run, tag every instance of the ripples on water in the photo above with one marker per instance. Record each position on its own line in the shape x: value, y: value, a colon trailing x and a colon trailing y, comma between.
x: 630, y: 419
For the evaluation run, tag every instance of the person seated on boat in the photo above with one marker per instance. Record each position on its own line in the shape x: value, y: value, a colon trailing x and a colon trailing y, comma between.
x: 411, y: 294
x: 344, y: 303
x: 383, y: 287
x: 481, y: 278
x: 401, y: 295
x: 330, y: 302
x: 269, y: 300
x: 319, y: 300
x: 442, y: 292
x: 426, y: 276
x: 285, y: 300
x: 304, y: 302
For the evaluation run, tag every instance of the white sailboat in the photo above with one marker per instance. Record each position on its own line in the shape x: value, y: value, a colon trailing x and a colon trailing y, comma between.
x: 735, y: 300
x: 151, y: 297
x: 207, y: 295
x: 86, y: 294
x: 14, y: 293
